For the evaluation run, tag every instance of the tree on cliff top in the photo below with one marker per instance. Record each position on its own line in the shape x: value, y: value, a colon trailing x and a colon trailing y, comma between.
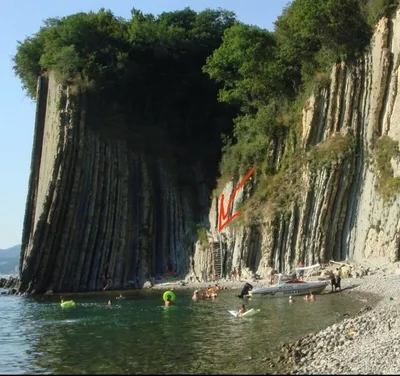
x: 103, y: 48
x: 148, y: 67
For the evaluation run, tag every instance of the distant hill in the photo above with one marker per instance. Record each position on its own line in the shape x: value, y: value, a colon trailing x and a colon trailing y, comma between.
x: 9, y: 259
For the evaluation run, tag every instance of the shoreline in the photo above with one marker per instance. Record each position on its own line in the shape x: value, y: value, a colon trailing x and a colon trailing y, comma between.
x: 182, y: 285
x: 366, y: 343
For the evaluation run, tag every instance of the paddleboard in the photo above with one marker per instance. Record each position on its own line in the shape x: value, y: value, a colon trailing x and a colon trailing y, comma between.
x: 299, y: 269
x: 248, y: 313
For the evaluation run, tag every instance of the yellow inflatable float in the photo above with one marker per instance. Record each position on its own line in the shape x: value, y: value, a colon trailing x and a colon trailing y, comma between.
x: 68, y: 304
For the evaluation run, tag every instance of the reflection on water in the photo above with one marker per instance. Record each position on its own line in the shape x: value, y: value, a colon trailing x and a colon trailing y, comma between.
x: 139, y: 335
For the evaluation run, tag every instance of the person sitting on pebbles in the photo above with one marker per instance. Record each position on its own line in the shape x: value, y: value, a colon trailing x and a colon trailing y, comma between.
x: 291, y: 300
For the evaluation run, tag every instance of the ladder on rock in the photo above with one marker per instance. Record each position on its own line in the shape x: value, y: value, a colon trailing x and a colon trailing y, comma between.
x: 217, y: 260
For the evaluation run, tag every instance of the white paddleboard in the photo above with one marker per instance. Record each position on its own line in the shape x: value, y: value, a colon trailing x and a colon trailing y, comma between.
x: 250, y: 312
x: 299, y: 269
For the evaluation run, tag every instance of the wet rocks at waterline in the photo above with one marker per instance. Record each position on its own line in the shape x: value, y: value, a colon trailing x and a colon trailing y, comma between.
x: 8, y: 282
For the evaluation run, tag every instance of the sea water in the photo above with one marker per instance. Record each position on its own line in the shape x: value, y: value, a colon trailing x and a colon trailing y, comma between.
x: 138, y: 335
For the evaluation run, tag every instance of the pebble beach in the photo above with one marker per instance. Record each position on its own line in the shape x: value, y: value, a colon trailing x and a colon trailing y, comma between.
x: 368, y: 343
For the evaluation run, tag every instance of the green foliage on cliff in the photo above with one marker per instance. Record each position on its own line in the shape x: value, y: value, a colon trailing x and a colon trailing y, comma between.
x: 168, y: 71
x: 146, y: 70
x: 270, y: 75
x: 385, y: 148
x: 331, y: 150
x: 375, y: 9
x: 201, y: 233
x: 109, y: 50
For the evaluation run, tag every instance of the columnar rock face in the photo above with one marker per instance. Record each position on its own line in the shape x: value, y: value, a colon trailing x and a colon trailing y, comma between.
x: 97, y: 213
x: 100, y: 213
x: 341, y: 214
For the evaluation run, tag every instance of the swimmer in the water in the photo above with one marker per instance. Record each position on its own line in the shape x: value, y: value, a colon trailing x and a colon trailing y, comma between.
x: 168, y: 302
x: 120, y: 297
x: 196, y: 295
x: 242, y: 310
x: 110, y: 302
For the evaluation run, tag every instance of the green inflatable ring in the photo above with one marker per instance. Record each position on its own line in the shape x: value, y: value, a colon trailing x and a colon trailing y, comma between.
x: 170, y: 294
x: 68, y: 304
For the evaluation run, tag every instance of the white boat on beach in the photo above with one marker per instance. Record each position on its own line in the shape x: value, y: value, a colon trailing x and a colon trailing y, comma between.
x: 290, y: 288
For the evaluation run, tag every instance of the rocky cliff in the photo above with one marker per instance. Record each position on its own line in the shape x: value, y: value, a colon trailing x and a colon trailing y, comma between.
x: 101, y: 214
x: 341, y: 212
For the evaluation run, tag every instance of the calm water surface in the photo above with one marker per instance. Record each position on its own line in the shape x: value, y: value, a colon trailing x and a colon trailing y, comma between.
x: 139, y: 336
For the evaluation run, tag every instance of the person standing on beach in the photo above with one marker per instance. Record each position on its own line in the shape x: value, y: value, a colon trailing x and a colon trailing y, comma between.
x: 233, y: 274
x: 337, y: 277
x: 272, y: 277
x: 301, y: 272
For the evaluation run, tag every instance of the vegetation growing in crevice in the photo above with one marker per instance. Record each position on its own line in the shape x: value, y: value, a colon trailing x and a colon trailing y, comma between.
x: 333, y: 149
x: 375, y: 9
x: 385, y: 148
x: 201, y: 233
